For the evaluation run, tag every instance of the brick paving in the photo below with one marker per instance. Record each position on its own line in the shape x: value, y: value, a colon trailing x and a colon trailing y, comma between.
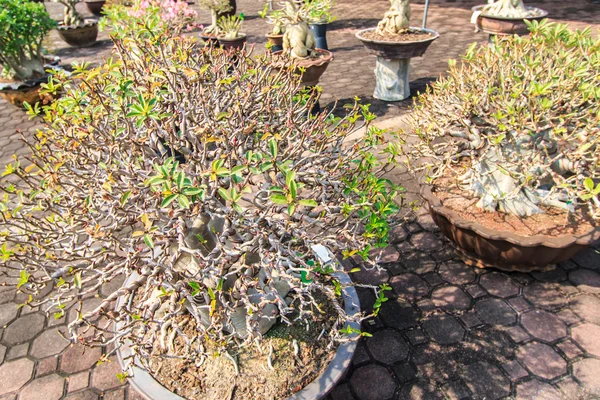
x: 448, y: 331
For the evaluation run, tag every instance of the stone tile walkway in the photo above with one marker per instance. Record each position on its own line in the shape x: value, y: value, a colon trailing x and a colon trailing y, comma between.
x: 448, y: 331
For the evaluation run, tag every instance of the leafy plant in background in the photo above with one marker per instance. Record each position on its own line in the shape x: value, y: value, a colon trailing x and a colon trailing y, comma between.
x: 318, y: 11
x: 277, y: 18
x: 208, y: 182
x: 517, y: 123
x: 229, y: 26
x: 23, y: 26
x: 70, y: 15
x: 216, y: 7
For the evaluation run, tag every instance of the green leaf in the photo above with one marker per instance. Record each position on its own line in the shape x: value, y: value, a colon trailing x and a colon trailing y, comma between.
x: 148, y: 241
x: 304, y: 277
x: 124, y: 197
x: 278, y: 199
x: 77, y: 279
x: 225, y: 194
x: 289, y: 177
x: 169, y: 199
x: 291, y: 208
x: 273, y: 148
x: 589, y: 184
x: 353, y: 270
x: 308, y: 203
x: 183, y: 201
x: 23, y: 278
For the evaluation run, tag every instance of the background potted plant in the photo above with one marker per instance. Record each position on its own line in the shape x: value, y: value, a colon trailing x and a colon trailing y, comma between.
x: 229, y: 32
x: 75, y: 30
x: 23, y: 27
x: 505, y: 17
x: 228, y: 251
x: 279, y: 20
x: 395, y: 42
x: 95, y: 6
x: 317, y: 14
x: 216, y: 7
x: 512, y: 136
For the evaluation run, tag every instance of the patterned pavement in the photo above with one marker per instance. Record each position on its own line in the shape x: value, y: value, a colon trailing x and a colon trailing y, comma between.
x: 448, y: 331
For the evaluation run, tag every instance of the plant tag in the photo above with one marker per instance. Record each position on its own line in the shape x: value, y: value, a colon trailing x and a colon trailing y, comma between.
x: 322, y: 253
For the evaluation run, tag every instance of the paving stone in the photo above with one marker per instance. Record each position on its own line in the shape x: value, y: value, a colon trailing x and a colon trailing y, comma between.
x: 49, y: 387
x: 451, y: 298
x: 420, y: 390
x: 426, y: 241
x: 416, y: 337
x: 544, y: 295
x: 340, y: 392
x: 398, y: 234
x: 414, y: 228
x: 514, y: 370
x: 585, y: 280
x: 495, y: 312
x: 456, y: 390
x: 119, y: 394
x: 374, y: 276
x: 104, y: 376
x: 388, y: 347
x: 588, y: 258
x: 570, y: 349
x: 17, y: 351
x: 476, y: 291
x: 568, y: 317
x: 405, y: 372
x: 78, y: 358
x: 417, y: 262
x: 360, y: 355
x: 8, y: 313
x: 445, y: 255
x: 426, y: 306
x: 444, y: 329
x: 385, y: 255
x: 49, y: 343
x: 588, y: 337
x: 79, y: 381
x: 2, y: 352
x: 470, y: 320
x: 587, y: 307
x: 372, y: 382
x: 88, y: 395
x: 570, y: 389
x: 517, y: 334
x: 587, y: 372
x: 23, y: 329
x: 542, y: 360
x: 537, y: 390
x: 543, y: 325
x: 486, y: 381
x: 499, y: 285
x: 46, y: 366
x: 433, y: 279
x: 557, y: 274
x: 14, y: 374
x: 427, y: 222
x: 519, y: 304
x: 409, y: 286
x: 398, y: 314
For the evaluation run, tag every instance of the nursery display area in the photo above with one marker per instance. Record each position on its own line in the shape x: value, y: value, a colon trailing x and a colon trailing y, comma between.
x: 317, y: 199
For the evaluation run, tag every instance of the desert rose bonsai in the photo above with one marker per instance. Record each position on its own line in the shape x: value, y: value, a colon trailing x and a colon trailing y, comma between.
x: 74, y: 29
x: 216, y: 7
x: 514, y: 132
x: 211, y: 188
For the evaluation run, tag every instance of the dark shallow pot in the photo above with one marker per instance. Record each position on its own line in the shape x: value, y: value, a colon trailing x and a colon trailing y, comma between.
x: 237, y: 43
x: 313, y: 68
x: 502, y: 26
x: 95, y: 6
x: 483, y: 247
x: 145, y: 384
x: 319, y: 31
x: 80, y: 36
x: 397, y: 50
x: 276, y: 42
x: 17, y: 97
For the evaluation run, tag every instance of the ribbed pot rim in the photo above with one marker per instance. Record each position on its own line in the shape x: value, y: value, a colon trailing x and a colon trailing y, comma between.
x: 479, y: 7
x: 556, y: 242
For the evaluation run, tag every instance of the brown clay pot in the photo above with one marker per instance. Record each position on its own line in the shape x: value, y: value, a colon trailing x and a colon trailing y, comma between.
x: 17, y: 97
x: 236, y: 43
x: 275, y: 41
x: 482, y: 247
x: 95, y: 6
x: 502, y: 26
x: 314, y: 68
x: 80, y: 36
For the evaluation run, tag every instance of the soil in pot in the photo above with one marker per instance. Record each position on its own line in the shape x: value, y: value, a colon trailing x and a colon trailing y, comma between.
x: 554, y: 222
x: 216, y: 378
x: 412, y: 35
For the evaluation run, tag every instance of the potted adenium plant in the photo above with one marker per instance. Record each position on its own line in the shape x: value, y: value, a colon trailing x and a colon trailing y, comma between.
x: 318, y: 15
x: 75, y: 30
x: 23, y: 27
x: 216, y: 8
x: 505, y: 17
x: 513, y: 132
x: 224, y: 204
x: 278, y: 19
x: 229, y: 32
x: 395, y: 42
x: 300, y: 46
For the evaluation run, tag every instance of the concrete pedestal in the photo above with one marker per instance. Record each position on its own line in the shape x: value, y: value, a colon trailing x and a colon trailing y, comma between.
x: 392, y: 79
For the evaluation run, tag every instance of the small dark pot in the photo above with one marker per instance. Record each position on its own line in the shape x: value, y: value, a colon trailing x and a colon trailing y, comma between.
x: 95, y: 6
x: 17, y: 97
x: 276, y: 42
x: 236, y: 43
x: 483, y: 247
x: 209, y: 39
x: 80, y: 36
x: 319, y: 31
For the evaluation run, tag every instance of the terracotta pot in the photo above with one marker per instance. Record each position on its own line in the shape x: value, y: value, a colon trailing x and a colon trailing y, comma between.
x: 145, y: 384
x: 209, y: 39
x: 276, y: 42
x: 397, y: 50
x: 80, y: 36
x: 501, y: 26
x: 314, y: 68
x: 17, y: 97
x: 236, y: 43
x: 483, y: 247
x: 95, y: 6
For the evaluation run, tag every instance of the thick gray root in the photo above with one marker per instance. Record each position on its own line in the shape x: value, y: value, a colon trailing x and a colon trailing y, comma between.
x: 397, y: 19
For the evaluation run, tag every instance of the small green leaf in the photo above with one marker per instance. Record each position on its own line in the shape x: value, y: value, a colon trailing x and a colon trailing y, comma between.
x: 148, y: 241
x: 278, y: 199
x: 169, y: 199
x: 308, y: 203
